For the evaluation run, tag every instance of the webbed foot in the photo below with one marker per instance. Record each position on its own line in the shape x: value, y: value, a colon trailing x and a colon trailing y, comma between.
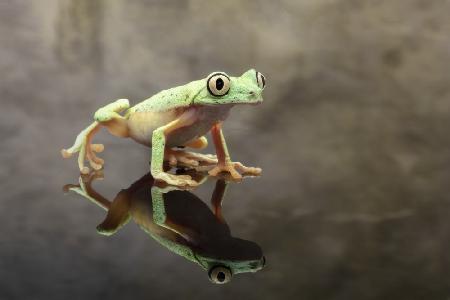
x: 107, y: 116
x: 86, y: 149
x: 232, y: 168
x: 84, y: 183
x: 88, y: 153
x: 177, y: 180
x: 179, y: 158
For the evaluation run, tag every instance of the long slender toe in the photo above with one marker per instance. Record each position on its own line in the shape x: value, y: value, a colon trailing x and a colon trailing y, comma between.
x: 95, y: 166
x: 248, y: 170
x: 84, y: 170
x: 225, y: 168
x: 97, y: 147
x: 187, y: 161
x: 65, y: 153
x: 177, y: 180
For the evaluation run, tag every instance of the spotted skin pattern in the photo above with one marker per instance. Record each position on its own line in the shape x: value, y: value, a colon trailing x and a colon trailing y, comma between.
x: 176, y: 117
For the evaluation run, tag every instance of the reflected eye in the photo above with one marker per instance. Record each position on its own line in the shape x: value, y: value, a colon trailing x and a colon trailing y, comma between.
x: 261, y: 80
x: 218, y: 84
x: 220, y: 275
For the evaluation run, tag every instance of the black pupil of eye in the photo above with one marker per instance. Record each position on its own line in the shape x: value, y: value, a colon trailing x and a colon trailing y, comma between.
x: 221, y: 276
x: 219, y: 84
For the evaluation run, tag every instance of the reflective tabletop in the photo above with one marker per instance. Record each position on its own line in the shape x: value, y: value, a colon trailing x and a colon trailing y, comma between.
x: 118, y: 234
x: 352, y: 137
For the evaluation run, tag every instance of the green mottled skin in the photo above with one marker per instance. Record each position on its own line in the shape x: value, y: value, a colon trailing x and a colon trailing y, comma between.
x: 171, y: 118
x: 166, y: 105
x: 196, y: 93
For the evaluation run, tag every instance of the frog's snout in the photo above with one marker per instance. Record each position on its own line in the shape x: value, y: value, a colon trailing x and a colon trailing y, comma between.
x: 255, y: 97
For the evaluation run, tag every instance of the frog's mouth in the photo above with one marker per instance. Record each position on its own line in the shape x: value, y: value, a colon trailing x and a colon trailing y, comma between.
x: 250, y: 101
x: 254, y: 98
x: 234, y: 102
x: 253, y: 103
x: 258, y: 102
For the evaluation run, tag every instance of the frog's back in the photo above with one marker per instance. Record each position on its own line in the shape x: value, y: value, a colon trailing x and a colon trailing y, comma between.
x: 165, y: 100
x: 157, y: 111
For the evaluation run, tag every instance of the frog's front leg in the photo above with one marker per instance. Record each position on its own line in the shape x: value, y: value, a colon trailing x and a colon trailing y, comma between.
x: 86, y: 149
x: 159, y: 138
x: 106, y: 116
x: 225, y: 164
x: 160, y: 215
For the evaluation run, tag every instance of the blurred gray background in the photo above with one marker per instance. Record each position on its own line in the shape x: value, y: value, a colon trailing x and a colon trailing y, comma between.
x: 353, y: 139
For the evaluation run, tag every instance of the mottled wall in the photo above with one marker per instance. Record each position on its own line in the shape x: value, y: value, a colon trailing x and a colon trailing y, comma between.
x: 355, y: 121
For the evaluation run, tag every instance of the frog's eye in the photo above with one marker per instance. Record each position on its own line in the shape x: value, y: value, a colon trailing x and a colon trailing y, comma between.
x: 220, y: 274
x: 218, y: 84
x: 261, y: 80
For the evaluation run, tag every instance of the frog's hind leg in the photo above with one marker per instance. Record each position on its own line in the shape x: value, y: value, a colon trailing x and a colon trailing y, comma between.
x: 188, y: 159
x: 181, y: 158
x: 199, y: 143
x: 108, y: 117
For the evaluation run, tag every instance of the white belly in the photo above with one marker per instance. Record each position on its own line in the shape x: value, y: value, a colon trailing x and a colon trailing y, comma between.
x: 142, y: 124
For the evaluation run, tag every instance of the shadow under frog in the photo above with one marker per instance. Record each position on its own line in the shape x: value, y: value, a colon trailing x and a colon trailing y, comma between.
x: 181, y: 222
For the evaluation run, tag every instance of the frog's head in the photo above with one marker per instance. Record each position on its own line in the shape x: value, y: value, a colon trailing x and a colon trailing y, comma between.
x: 219, y: 88
x: 222, y: 272
x: 230, y: 257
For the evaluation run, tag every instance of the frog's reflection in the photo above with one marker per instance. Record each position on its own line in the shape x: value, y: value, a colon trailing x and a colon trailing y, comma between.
x: 181, y: 222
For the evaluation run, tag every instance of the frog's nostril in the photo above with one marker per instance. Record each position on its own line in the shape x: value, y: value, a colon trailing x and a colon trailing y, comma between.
x: 252, y: 93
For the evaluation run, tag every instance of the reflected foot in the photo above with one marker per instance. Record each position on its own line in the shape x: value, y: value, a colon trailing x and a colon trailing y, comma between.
x: 84, y: 183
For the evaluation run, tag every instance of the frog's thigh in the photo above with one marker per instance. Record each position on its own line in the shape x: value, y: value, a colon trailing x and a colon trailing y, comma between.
x: 199, y: 143
x: 108, y: 116
x: 117, y: 126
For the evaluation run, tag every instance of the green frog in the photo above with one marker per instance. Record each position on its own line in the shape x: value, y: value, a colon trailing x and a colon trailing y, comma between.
x: 173, y: 118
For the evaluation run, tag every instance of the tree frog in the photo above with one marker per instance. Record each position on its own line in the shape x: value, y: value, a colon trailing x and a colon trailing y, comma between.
x: 177, y: 117
x: 180, y: 221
